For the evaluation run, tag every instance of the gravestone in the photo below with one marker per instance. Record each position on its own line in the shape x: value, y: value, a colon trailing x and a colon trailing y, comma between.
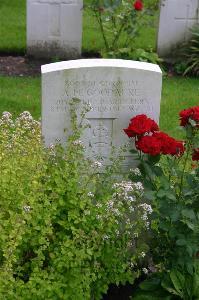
x: 116, y: 89
x: 177, y: 17
x: 54, y: 28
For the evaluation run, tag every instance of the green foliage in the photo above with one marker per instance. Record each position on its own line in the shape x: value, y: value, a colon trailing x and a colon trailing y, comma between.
x: 172, y: 186
x: 189, y: 54
x: 172, y: 285
x: 137, y: 54
x: 119, y: 24
x: 67, y: 229
x: 146, y: 56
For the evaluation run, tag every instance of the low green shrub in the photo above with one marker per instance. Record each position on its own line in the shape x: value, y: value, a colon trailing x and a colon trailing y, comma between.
x: 67, y: 229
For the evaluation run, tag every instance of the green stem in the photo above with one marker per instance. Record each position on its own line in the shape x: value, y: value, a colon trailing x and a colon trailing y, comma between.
x: 113, y: 17
x: 118, y: 33
x: 99, y: 19
x: 139, y: 26
x: 183, y: 171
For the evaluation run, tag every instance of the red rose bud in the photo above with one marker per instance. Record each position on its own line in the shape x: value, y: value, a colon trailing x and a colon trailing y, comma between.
x: 195, y: 155
x: 140, y: 125
x: 187, y: 114
x: 138, y: 5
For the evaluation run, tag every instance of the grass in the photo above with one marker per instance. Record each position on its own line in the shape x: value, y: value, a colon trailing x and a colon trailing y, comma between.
x: 13, y: 26
x: 13, y: 30
x: 177, y: 93
x: 18, y: 94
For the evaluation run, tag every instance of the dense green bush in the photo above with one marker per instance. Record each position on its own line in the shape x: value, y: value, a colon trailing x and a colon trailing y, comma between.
x: 67, y: 229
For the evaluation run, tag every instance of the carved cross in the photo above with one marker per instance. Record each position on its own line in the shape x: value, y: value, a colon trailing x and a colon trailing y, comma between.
x: 53, y: 8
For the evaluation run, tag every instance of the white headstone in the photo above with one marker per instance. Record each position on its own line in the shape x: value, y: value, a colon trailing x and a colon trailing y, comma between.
x: 116, y: 89
x: 177, y: 17
x: 54, y: 28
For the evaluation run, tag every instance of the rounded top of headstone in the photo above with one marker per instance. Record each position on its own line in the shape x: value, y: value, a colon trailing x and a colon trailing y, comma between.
x: 100, y: 62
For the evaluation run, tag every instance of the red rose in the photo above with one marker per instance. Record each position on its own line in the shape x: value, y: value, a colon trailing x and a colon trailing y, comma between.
x: 169, y: 145
x: 138, y: 5
x: 190, y: 113
x: 195, y: 155
x: 149, y: 144
x: 140, y: 125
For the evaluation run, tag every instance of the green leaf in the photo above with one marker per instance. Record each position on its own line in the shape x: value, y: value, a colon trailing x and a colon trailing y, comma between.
x: 190, y: 225
x: 158, y: 171
x: 178, y: 281
x: 164, y: 182
x: 161, y: 193
x: 189, y: 268
x: 192, y: 122
x: 148, y: 170
x: 174, y: 215
x: 181, y: 242
x: 171, y: 196
x: 133, y: 151
x: 189, y: 131
x: 189, y: 213
x: 150, y: 284
x: 196, y: 142
x: 173, y: 232
x: 167, y: 285
x: 150, y: 195
x: 164, y: 226
x: 153, y: 159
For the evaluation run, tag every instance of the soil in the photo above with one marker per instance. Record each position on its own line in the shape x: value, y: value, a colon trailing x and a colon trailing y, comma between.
x: 20, y: 66
x: 27, y: 66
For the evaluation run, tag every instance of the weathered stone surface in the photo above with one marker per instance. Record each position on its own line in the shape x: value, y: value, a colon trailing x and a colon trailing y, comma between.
x: 54, y: 28
x: 177, y: 17
x: 116, y: 89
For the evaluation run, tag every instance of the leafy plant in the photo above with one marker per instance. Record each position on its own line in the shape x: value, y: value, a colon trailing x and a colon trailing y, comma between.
x: 67, y: 229
x: 119, y: 22
x: 189, y: 53
x: 137, y: 54
x: 170, y: 174
x: 171, y: 286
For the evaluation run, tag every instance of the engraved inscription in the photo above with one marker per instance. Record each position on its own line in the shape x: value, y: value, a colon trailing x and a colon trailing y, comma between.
x: 105, y: 96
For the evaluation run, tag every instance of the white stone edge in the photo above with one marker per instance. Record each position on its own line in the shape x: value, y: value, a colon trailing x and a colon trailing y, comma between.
x: 100, y: 62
